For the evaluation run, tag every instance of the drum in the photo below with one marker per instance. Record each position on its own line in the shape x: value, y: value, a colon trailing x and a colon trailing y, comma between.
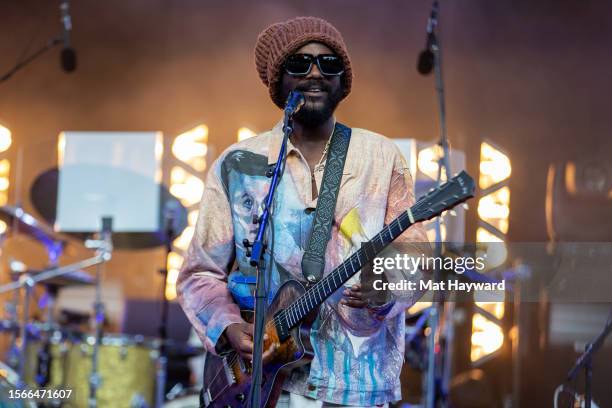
x: 8, y: 384
x: 126, y: 366
x: 46, y: 358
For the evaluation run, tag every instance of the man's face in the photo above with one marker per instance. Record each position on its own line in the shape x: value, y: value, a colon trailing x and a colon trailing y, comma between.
x: 322, y: 92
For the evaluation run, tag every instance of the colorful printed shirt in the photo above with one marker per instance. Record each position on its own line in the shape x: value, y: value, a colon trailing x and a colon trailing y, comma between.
x: 358, y: 351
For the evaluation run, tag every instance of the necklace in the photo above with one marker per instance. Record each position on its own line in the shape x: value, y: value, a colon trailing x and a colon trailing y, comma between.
x: 324, y: 150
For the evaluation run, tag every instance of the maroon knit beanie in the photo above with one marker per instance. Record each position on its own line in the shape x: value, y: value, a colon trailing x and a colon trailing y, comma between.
x: 280, y: 40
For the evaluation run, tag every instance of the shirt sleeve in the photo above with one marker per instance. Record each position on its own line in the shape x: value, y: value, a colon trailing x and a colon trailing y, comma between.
x: 202, y: 282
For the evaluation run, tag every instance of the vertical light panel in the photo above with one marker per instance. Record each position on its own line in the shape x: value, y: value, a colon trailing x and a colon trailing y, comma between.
x: 493, y: 213
x: 5, y: 166
x: 189, y: 150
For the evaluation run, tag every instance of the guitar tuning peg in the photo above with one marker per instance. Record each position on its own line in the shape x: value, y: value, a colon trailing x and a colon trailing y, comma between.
x: 452, y: 213
x: 466, y: 206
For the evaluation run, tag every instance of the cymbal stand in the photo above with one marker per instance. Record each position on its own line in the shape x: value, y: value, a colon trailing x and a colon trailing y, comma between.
x: 28, y: 282
x: 104, y: 247
x: 162, y: 361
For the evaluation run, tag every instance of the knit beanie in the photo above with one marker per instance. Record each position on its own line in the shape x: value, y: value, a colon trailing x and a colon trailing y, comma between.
x: 280, y: 40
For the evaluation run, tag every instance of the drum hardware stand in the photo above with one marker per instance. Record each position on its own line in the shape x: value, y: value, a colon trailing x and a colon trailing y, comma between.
x: 27, y: 282
x: 104, y: 248
x: 585, y: 361
x: 438, y: 377
x: 162, y: 361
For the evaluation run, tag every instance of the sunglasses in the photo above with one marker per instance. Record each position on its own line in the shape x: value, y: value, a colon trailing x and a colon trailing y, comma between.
x: 301, y: 64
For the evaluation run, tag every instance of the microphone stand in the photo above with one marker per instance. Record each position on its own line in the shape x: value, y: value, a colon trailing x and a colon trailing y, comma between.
x: 257, y: 260
x: 585, y: 361
x: 162, y: 361
x: 50, y: 44
x: 436, y: 314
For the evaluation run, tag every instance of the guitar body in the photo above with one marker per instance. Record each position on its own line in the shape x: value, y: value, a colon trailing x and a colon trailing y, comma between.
x: 227, y: 379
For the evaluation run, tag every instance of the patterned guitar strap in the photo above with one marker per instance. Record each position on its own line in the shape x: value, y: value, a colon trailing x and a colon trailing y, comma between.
x: 313, y: 261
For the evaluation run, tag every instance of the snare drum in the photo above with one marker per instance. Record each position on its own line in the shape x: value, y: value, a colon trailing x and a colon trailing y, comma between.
x: 126, y: 368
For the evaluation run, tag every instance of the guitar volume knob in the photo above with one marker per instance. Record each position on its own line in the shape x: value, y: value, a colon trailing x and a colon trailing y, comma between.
x: 240, y: 397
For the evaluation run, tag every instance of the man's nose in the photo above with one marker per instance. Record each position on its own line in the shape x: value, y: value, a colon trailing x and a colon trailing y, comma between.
x: 314, y: 73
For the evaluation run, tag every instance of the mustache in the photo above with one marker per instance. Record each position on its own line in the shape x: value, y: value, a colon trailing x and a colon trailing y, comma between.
x: 306, y: 85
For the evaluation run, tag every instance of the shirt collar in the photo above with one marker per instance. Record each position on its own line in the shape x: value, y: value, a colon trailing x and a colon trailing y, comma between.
x: 276, y: 141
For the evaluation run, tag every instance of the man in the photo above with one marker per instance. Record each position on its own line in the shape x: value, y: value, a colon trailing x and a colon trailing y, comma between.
x: 359, y: 344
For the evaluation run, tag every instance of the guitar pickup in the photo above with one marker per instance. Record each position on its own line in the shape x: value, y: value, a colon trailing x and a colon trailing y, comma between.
x: 282, y: 327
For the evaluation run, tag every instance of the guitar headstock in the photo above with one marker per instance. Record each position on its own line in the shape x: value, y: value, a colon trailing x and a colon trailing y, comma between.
x: 455, y: 191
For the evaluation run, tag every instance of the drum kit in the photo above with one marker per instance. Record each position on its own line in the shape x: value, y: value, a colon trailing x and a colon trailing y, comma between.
x: 101, y: 369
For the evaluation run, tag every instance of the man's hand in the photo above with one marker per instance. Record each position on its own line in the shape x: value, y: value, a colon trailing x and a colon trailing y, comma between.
x: 353, y: 297
x: 240, y: 336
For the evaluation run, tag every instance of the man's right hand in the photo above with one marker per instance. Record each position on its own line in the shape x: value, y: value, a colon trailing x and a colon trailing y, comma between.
x: 240, y: 337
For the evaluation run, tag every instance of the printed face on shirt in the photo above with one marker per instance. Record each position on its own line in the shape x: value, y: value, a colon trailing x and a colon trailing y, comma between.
x: 243, y: 175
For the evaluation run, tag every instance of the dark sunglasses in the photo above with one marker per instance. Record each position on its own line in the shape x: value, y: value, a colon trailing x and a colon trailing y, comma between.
x: 301, y: 64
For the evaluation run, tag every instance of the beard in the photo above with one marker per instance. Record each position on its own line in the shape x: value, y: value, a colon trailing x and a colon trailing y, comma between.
x: 312, y: 115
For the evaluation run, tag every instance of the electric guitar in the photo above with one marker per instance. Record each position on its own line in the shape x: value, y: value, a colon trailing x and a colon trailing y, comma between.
x: 227, y: 378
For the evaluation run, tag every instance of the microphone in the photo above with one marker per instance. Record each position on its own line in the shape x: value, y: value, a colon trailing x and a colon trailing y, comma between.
x: 294, y: 103
x: 68, y: 55
x: 425, y: 62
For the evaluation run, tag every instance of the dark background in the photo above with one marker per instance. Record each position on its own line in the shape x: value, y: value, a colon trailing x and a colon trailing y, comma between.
x: 535, y: 77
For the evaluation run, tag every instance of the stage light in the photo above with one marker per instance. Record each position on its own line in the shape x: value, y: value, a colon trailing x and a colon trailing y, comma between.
x: 192, y: 217
x: 183, y: 240
x: 494, y: 166
x: 494, y: 251
x: 188, y: 192
x: 494, y: 208
x: 3, y: 227
x: 428, y: 161
x: 5, y: 165
x: 174, y: 261
x: 171, y: 284
x: 61, y: 149
x: 245, y: 133
x: 191, y: 147
x: 487, y: 338
x: 495, y: 308
x: 5, y: 139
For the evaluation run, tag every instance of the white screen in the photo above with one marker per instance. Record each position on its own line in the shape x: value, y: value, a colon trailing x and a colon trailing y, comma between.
x: 113, y: 174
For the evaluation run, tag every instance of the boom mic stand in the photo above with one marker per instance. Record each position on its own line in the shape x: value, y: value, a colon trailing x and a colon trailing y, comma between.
x: 434, y: 381
x: 294, y: 102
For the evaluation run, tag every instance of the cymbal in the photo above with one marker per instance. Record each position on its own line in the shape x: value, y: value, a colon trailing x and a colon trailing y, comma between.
x: 43, y: 194
x: 29, y: 225
x: 73, y: 278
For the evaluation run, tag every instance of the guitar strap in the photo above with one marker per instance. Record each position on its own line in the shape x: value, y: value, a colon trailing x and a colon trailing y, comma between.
x: 313, y: 261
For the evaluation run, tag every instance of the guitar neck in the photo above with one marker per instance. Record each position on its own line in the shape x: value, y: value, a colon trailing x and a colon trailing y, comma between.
x: 317, y: 293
